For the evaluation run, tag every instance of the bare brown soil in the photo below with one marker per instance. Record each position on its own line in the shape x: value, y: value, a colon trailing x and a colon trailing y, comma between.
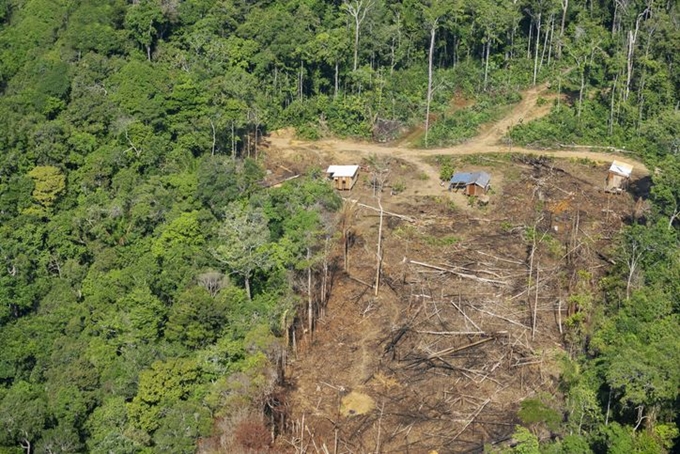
x: 471, y: 315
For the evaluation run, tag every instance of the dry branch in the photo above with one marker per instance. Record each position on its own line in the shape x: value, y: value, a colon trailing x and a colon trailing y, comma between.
x: 457, y: 269
x: 533, y: 318
x: 501, y: 317
x: 360, y: 281
x: 465, y: 315
x: 461, y: 333
x: 448, y: 351
x: 479, y: 410
x: 596, y: 147
x: 388, y: 213
x: 501, y: 259
x: 276, y: 183
x: 456, y: 273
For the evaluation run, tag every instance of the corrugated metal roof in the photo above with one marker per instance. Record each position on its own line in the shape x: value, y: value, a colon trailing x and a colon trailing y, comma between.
x: 461, y: 178
x: 342, y: 171
x: 479, y: 178
x: 621, y: 168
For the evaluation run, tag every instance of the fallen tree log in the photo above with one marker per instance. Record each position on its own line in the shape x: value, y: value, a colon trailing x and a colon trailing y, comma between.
x: 456, y: 273
x: 449, y: 351
x: 474, y: 416
x: 388, y: 213
x: 277, y: 183
x: 594, y: 147
x: 462, y: 333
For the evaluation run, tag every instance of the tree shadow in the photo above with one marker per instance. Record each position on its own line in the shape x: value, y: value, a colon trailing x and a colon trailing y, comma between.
x: 641, y: 187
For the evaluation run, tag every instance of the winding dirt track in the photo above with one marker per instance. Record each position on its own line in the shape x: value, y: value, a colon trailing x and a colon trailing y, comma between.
x: 488, y: 141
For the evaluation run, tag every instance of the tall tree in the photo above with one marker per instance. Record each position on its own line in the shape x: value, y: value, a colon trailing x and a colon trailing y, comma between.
x: 144, y: 18
x: 433, y: 11
x: 586, y: 38
x: 243, y: 242
x: 357, y: 10
x: 666, y: 189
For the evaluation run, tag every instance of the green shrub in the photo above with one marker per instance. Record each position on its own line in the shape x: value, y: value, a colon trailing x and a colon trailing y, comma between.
x: 398, y: 187
x: 446, y: 168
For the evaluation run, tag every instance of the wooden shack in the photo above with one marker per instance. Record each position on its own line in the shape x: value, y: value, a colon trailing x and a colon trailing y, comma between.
x: 472, y: 183
x: 344, y: 177
x: 618, y: 177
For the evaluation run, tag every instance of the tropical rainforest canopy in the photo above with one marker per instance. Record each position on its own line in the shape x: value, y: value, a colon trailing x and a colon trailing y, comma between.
x: 145, y: 274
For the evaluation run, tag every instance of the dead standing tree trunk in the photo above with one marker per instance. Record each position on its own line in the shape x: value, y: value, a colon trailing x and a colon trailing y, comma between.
x: 533, y: 318
x: 347, y: 216
x: 379, y: 252
x: 560, y: 41
x: 357, y: 9
x: 433, y: 33
x: 635, y: 254
x: 310, y: 300
x: 538, y: 43
x: 380, y: 172
x: 632, y: 40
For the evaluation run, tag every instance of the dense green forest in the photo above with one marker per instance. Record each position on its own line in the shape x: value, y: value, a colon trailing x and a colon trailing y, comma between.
x: 148, y: 281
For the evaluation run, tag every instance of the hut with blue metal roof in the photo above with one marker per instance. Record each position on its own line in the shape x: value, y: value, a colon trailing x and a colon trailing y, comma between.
x: 472, y: 183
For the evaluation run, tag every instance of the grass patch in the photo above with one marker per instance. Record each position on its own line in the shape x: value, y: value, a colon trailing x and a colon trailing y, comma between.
x: 585, y: 162
x: 398, y: 187
x: 487, y: 159
x: 446, y: 201
x: 356, y: 403
x: 456, y: 127
x: 406, y: 232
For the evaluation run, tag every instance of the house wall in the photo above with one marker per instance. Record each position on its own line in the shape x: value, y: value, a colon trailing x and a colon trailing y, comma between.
x: 345, y: 183
x: 474, y: 190
x: 615, y: 181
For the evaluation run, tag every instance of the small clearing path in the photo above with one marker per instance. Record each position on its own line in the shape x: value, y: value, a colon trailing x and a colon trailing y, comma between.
x: 345, y: 151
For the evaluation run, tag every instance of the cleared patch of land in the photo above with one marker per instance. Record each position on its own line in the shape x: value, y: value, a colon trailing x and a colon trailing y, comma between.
x: 475, y: 301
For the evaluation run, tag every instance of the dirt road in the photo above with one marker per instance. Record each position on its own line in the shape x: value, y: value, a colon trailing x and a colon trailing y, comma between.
x: 488, y: 141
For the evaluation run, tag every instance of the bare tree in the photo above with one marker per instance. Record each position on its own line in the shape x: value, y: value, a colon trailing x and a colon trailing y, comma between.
x: 632, y: 40
x: 346, y: 217
x: 213, y: 282
x: 433, y: 32
x: 357, y: 9
x: 434, y: 12
x: 560, y: 41
x: 380, y: 169
x: 380, y: 172
x: 537, y: 21
x: 379, y: 251
x: 635, y: 250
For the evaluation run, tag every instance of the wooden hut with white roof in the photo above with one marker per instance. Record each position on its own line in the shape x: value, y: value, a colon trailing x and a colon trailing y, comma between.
x: 618, y: 176
x: 344, y: 177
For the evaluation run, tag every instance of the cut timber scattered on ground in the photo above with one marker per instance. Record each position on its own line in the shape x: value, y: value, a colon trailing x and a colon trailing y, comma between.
x: 471, y: 313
